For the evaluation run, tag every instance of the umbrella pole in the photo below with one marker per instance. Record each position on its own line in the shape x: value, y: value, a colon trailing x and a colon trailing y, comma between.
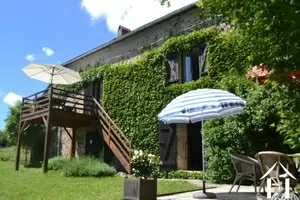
x: 203, y: 194
x: 52, y: 74
x: 203, y: 155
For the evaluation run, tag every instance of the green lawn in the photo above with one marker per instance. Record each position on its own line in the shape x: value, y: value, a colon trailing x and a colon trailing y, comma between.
x: 33, y: 184
x: 9, y: 154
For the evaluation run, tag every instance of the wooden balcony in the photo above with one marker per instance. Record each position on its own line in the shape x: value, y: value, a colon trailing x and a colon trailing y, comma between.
x: 62, y: 108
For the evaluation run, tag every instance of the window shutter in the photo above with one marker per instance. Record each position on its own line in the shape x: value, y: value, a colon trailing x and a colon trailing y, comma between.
x: 97, y: 90
x: 88, y: 91
x: 172, y: 69
x: 202, y: 60
x: 167, y: 147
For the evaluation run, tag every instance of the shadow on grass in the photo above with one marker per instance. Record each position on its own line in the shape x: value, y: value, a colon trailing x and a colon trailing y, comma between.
x: 174, y: 193
x: 32, y: 165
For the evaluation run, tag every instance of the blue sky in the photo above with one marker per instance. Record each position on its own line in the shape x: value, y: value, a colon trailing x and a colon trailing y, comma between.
x: 55, y: 31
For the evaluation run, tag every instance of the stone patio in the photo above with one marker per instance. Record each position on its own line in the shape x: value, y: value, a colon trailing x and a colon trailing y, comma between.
x: 245, y: 193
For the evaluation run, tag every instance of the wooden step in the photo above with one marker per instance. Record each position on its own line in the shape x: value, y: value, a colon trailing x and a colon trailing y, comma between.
x: 114, y: 138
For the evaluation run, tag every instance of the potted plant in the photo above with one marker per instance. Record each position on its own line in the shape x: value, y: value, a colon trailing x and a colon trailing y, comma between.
x: 141, y: 186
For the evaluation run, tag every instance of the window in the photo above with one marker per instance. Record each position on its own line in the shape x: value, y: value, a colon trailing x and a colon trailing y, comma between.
x: 188, y: 66
x: 194, y: 64
x: 188, y: 73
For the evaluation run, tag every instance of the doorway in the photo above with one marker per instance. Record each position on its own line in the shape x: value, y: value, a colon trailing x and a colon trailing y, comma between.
x: 93, y: 144
x: 194, y: 138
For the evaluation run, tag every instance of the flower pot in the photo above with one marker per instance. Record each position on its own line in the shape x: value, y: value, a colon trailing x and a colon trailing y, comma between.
x: 140, y: 188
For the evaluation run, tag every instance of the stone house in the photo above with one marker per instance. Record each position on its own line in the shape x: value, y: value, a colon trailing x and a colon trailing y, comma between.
x: 126, y: 47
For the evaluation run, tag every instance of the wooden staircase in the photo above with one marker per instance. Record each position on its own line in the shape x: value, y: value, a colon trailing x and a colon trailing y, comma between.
x: 114, y: 138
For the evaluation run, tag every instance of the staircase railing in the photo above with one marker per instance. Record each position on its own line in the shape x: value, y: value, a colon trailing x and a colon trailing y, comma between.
x: 116, y: 140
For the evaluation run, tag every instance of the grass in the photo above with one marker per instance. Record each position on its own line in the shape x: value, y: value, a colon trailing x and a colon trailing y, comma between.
x: 9, y: 154
x: 32, y: 184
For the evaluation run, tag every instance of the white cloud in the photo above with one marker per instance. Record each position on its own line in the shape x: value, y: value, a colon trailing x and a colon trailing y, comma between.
x: 30, y: 57
x: 48, y: 51
x: 129, y: 13
x: 12, y: 98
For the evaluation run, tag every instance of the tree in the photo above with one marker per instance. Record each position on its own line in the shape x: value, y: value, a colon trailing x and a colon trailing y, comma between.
x: 12, y: 123
x: 164, y: 2
x: 272, y: 26
x: 33, y: 134
x: 3, y: 139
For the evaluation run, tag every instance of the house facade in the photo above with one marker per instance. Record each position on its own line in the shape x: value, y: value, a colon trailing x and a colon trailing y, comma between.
x: 125, y: 48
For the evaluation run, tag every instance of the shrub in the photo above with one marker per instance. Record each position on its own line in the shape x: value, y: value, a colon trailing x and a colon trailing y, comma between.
x: 56, y: 163
x: 144, y: 163
x: 4, y: 158
x: 179, y: 174
x: 84, y: 167
x: 254, y: 130
x: 184, y: 174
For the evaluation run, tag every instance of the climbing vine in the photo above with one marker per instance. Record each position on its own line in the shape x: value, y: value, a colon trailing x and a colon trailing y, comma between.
x: 134, y: 93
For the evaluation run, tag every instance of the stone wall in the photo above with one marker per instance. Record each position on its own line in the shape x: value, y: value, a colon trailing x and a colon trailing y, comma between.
x: 181, y: 145
x: 132, y: 46
x: 66, y: 143
x: 65, y: 149
x: 53, y: 144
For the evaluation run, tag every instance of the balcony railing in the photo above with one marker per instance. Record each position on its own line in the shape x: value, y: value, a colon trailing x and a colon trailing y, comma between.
x: 56, y: 99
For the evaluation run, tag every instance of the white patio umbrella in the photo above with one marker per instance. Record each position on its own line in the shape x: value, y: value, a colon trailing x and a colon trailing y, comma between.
x: 52, y: 73
x: 199, y: 105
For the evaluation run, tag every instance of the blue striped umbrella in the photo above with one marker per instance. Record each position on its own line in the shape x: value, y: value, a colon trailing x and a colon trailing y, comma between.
x: 200, y: 105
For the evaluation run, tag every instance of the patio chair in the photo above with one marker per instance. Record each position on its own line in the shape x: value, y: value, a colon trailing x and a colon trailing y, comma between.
x: 246, y: 168
x: 267, y: 159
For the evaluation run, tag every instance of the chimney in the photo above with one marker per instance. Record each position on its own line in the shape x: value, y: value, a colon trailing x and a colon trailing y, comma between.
x: 123, y: 31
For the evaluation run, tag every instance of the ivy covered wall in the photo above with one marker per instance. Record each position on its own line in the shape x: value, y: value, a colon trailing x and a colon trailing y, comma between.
x: 133, y: 95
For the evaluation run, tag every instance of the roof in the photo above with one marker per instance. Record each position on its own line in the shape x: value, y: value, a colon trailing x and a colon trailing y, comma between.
x: 134, y: 32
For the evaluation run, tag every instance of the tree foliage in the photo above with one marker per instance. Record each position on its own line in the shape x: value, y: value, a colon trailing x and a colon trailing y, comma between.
x: 3, y: 139
x: 164, y: 2
x: 12, y: 123
x: 33, y: 134
x: 272, y: 27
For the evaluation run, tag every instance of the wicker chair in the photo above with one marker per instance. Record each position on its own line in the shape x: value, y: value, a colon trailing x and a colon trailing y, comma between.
x: 267, y: 159
x: 246, y: 168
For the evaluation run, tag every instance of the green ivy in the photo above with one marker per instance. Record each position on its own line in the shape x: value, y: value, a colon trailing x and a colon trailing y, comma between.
x: 88, y: 76
x: 134, y: 93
